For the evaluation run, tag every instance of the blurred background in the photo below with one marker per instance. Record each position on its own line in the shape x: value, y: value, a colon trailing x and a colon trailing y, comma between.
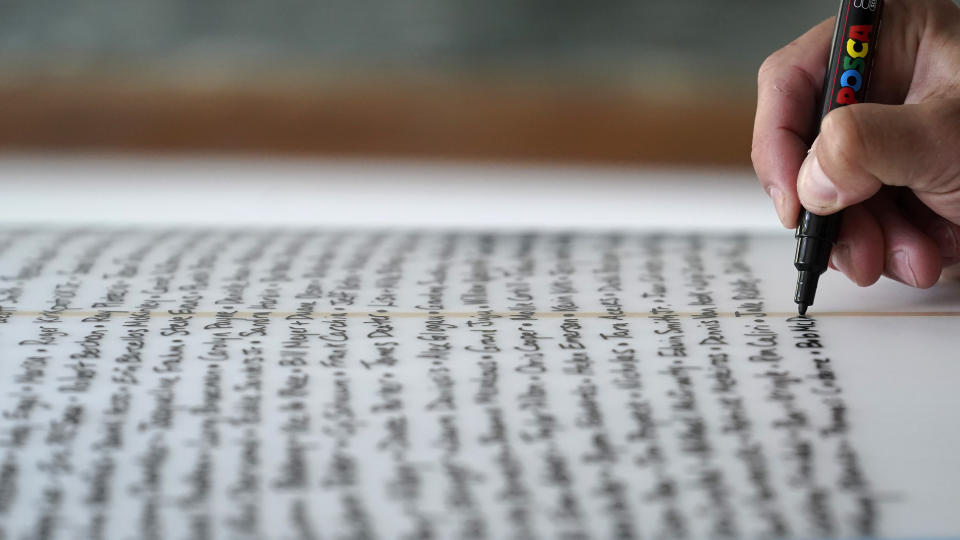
x: 613, y: 81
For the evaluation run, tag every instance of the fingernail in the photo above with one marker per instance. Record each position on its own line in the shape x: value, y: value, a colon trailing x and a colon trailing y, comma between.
x: 899, y: 265
x: 779, y: 203
x: 815, y: 188
x: 840, y: 257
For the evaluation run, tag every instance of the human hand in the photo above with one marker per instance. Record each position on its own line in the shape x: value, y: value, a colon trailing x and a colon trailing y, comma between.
x: 894, y: 164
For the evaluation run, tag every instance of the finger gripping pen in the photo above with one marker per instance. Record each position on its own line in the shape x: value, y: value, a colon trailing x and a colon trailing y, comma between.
x: 848, y: 74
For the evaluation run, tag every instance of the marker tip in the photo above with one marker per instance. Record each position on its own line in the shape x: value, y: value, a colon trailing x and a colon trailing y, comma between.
x: 802, y: 308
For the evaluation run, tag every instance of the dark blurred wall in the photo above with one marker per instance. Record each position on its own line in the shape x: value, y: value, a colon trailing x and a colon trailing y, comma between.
x: 613, y: 39
x: 614, y: 80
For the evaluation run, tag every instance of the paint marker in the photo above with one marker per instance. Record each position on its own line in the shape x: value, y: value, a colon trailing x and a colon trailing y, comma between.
x: 848, y: 74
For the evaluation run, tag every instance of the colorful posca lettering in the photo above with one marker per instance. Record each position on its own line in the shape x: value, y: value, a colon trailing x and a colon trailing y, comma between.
x: 854, y: 63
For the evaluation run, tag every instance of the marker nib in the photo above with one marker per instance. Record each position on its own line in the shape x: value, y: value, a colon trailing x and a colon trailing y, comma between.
x: 806, y: 290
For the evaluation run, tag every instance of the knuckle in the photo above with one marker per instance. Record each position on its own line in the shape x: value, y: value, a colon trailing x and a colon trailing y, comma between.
x: 775, y: 67
x: 781, y: 80
x: 767, y: 67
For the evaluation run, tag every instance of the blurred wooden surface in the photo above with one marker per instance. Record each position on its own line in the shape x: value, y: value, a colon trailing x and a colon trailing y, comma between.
x: 446, y: 121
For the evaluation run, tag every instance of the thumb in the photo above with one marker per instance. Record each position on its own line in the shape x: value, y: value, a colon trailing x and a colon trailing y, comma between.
x: 866, y: 146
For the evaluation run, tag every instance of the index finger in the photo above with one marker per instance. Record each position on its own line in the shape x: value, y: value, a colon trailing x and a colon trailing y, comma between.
x: 788, y: 85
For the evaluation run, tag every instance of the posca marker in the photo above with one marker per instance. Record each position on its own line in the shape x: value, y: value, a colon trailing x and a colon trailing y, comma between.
x: 848, y: 75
